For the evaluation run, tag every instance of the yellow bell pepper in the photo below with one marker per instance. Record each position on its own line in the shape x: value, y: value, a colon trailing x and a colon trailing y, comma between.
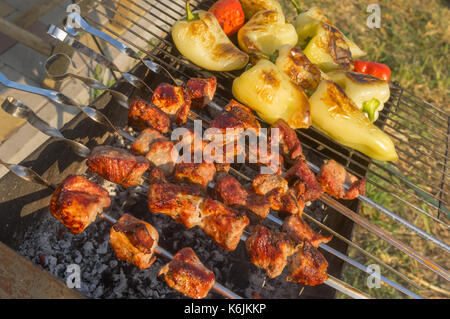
x: 269, y: 91
x: 337, y: 116
x: 305, y: 21
x: 266, y: 32
x: 200, y: 38
x: 368, y: 92
x: 251, y: 7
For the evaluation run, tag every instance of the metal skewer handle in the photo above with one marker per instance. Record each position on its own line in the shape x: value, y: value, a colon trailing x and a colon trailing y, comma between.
x: 152, y: 66
x: 63, y: 36
x: 66, y: 61
x: 18, y: 109
x: 60, y: 98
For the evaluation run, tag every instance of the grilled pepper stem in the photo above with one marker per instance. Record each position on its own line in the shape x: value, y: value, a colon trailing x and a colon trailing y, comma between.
x: 297, y: 6
x: 189, y: 15
x: 370, y: 107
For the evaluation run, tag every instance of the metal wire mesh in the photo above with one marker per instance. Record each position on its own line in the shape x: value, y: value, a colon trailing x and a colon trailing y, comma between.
x: 415, y: 187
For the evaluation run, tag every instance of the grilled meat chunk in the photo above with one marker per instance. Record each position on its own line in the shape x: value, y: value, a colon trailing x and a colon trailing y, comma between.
x: 143, y: 114
x: 223, y: 224
x: 298, y: 230
x: 77, y: 201
x: 181, y: 203
x: 258, y: 204
x: 195, y: 173
x: 227, y: 123
x: 289, y: 142
x: 264, y: 183
x: 186, y: 205
x: 231, y: 191
x: 244, y: 115
x: 142, y: 144
x: 269, y: 250
x: 173, y: 100
x: 134, y: 240
x: 307, y: 266
x: 163, y: 155
x: 117, y: 165
x: 333, y: 176
x: 300, y: 171
x: 276, y: 190
x: 285, y: 202
x: 201, y: 91
x: 186, y: 273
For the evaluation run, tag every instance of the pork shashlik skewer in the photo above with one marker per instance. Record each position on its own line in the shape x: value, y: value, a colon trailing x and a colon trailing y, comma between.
x: 217, y: 214
x: 77, y: 202
x: 294, y: 135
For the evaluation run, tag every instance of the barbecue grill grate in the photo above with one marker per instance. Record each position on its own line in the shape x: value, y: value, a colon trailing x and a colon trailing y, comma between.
x: 418, y: 182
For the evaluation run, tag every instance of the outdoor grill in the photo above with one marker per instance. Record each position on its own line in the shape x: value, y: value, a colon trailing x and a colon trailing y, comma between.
x: 417, y: 184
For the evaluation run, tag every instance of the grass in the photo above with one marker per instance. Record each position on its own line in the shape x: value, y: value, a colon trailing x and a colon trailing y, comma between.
x: 414, y: 41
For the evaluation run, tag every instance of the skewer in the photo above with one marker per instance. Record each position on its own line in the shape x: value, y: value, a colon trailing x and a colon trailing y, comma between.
x: 31, y: 176
x: 18, y: 109
x: 398, y: 219
x: 63, y: 36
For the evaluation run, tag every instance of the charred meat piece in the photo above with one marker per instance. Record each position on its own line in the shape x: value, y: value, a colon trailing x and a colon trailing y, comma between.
x: 142, y: 144
x: 276, y: 190
x: 231, y: 191
x: 201, y: 91
x: 195, y: 173
x: 243, y: 114
x: 186, y: 205
x: 333, y: 176
x: 272, y: 162
x: 258, y: 204
x: 117, y: 165
x: 77, y: 201
x: 269, y: 250
x: 143, y: 114
x: 163, y: 155
x: 186, y: 273
x: 308, y: 266
x: 298, y: 230
x: 300, y: 171
x: 181, y: 203
x: 134, y: 240
x: 227, y: 123
x: 192, y: 142
x: 289, y: 142
x: 173, y: 100
x: 264, y: 183
x: 223, y: 224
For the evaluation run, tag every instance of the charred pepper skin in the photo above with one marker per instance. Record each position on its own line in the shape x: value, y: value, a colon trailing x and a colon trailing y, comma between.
x: 266, y: 32
x: 200, y: 38
x: 270, y: 92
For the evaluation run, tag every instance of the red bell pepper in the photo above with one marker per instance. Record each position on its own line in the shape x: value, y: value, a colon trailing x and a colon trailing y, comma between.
x: 378, y: 70
x: 230, y: 15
